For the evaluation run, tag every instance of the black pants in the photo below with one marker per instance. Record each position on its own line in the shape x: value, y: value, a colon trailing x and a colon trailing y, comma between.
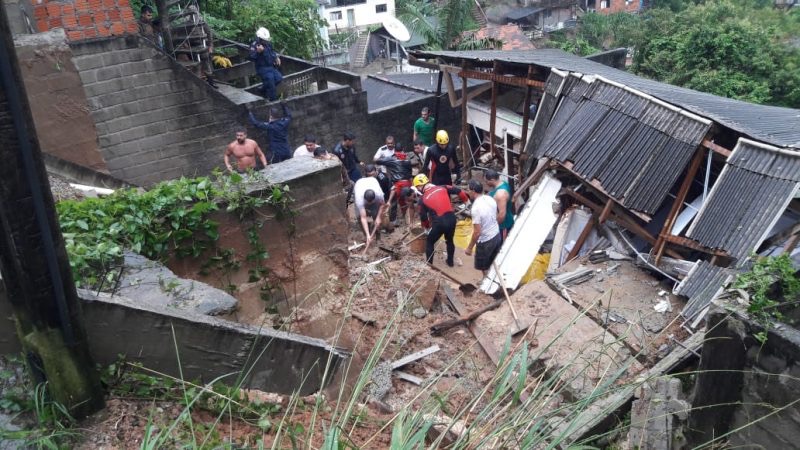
x: 442, y: 226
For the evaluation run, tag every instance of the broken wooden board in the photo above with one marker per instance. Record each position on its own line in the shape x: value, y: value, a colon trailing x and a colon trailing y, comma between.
x: 486, y: 344
x: 414, y: 357
x: 408, y: 377
x: 463, y: 272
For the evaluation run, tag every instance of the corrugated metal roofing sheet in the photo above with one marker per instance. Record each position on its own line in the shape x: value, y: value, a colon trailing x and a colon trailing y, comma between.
x: 771, y: 124
x: 635, y: 146
x: 381, y: 94
x: 752, y: 191
x: 703, y: 283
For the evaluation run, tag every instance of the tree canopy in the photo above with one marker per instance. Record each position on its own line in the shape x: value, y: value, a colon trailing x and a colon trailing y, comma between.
x: 293, y: 24
x: 743, y: 49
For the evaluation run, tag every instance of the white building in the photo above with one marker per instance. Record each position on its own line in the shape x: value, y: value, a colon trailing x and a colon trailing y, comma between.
x: 342, y: 14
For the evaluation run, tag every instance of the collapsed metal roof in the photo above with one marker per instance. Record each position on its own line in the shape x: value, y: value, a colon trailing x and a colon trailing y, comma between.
x: 701, y: 285
x: 754, y: 188
x: 634, y: 145
x: 771, y: 124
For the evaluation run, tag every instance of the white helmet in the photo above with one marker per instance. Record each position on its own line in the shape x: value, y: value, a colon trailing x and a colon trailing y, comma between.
x: 263, y: 33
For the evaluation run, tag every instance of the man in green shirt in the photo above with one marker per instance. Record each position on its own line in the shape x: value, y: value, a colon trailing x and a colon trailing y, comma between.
x: 424, y: 127
x: 501, y: 192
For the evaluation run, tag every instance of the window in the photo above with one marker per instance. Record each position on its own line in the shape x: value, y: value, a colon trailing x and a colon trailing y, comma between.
x: 380, y: 8
x: 604, y: 4
x: 335, y: 3
x: 336, y: 15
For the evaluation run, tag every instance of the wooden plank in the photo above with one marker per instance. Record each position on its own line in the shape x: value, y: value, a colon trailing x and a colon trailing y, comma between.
x: 493, y: 113
x: 606, y: 211
x: 485, y: 343
x: 526, y: 115
x: 408, y: 377
x: 414, y: 357
x: 438, y: 95
x: 438, y: 328
x: 694, y: 245
x: 716, y: 148
x: 624, y: 221
x: 679, y: 199
x: 502, y: 79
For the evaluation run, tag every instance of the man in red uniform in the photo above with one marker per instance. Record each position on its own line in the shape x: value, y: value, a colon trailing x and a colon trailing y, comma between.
x: 435, y: 201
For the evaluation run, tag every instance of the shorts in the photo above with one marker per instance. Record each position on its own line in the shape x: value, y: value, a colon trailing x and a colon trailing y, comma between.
x: 485, y: 252
x: 398, y: 192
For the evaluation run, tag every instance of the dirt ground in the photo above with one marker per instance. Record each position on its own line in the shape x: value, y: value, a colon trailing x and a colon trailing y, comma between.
x: 390, y: 273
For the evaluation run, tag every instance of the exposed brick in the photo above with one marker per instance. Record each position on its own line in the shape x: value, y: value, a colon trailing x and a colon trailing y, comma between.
x: 67, y: 10
x: 117, y: 28
x: 95, y: 5
x: 54, y: 9
x: 133, y: 27
x: 40, y: 11
x: 103, y: 30
x: 110, y: 3
x: 85, y: 20
x: 114, y: 15
x: 42, y: 26
x: 127, y: 14
x: 82, y: 5
x: 55, y: 22
x: 124, y: 3
x: 70, y: 21
x: 90, y: 33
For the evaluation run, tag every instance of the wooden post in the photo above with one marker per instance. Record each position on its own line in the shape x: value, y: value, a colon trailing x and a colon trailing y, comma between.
x: 526, y: 114
x: 679, y: 199
x: 34, y: 263
x: 582, y: 238
x: 493, y: 113
x: 465, y: 152
x: 438, y: 99
x: 606, y: 211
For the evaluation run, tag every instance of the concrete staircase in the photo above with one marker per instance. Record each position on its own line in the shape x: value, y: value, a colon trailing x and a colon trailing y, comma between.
x: 359, y: 52
x: 478, y: 14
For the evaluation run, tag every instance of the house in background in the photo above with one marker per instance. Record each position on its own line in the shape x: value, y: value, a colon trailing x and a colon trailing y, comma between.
x: 509, y: 36
x: 342, y: 14
x: 607, y: 7
x: 544, y: 18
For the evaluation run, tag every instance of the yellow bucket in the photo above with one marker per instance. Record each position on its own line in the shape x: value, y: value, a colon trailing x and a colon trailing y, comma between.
x: 463, y: 233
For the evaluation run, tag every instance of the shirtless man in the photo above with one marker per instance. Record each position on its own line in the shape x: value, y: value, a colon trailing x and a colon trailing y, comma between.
x: 245, y: 151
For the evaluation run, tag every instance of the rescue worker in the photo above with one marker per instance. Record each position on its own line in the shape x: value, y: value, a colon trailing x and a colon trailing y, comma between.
x: 443, y: 161
x: 267, y: 62
x: 400, y: 173
x: 277, y: 129
x: 435, y: 202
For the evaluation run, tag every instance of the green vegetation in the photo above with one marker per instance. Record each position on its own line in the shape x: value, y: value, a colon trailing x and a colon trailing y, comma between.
x: 744, y: 49
x: 441, y: 23
x: 770, y: 284
x: 172, y: 218
x: 293, y: 24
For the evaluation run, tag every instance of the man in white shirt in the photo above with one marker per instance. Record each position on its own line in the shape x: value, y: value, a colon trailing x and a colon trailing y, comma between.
x: 308, y: 147
x: 386, y: 151
x: 485, y: 230
x: 368, y: 198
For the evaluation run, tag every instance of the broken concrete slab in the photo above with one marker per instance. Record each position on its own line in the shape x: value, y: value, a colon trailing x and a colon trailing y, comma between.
x: 659, y: 415
x: 200, y: 347
x: 152, y: 283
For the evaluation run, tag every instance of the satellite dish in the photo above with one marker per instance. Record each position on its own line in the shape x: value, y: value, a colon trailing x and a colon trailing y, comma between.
x: 396, y: 29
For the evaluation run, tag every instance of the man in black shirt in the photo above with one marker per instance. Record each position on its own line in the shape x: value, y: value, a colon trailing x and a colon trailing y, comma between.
x: 443, y: 161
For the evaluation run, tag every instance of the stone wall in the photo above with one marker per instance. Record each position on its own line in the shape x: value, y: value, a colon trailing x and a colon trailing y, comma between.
x: 745, y: 384
x: 57, y: 99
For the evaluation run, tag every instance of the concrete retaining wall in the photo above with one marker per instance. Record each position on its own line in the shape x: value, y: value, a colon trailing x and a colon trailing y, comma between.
x: 300, y: 260
x: 57, y: 99
x: 744, y: 384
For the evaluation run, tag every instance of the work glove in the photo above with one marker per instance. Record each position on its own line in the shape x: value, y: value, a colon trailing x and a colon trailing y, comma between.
x: 222, y: 61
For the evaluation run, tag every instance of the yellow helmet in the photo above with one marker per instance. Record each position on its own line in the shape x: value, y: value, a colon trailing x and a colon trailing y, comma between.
x: 420, y: 180
x: 442, y: 137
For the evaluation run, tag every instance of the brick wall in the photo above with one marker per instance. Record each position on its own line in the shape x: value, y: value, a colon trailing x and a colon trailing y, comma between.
x: 85, y: 19
x: 618, y: 6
